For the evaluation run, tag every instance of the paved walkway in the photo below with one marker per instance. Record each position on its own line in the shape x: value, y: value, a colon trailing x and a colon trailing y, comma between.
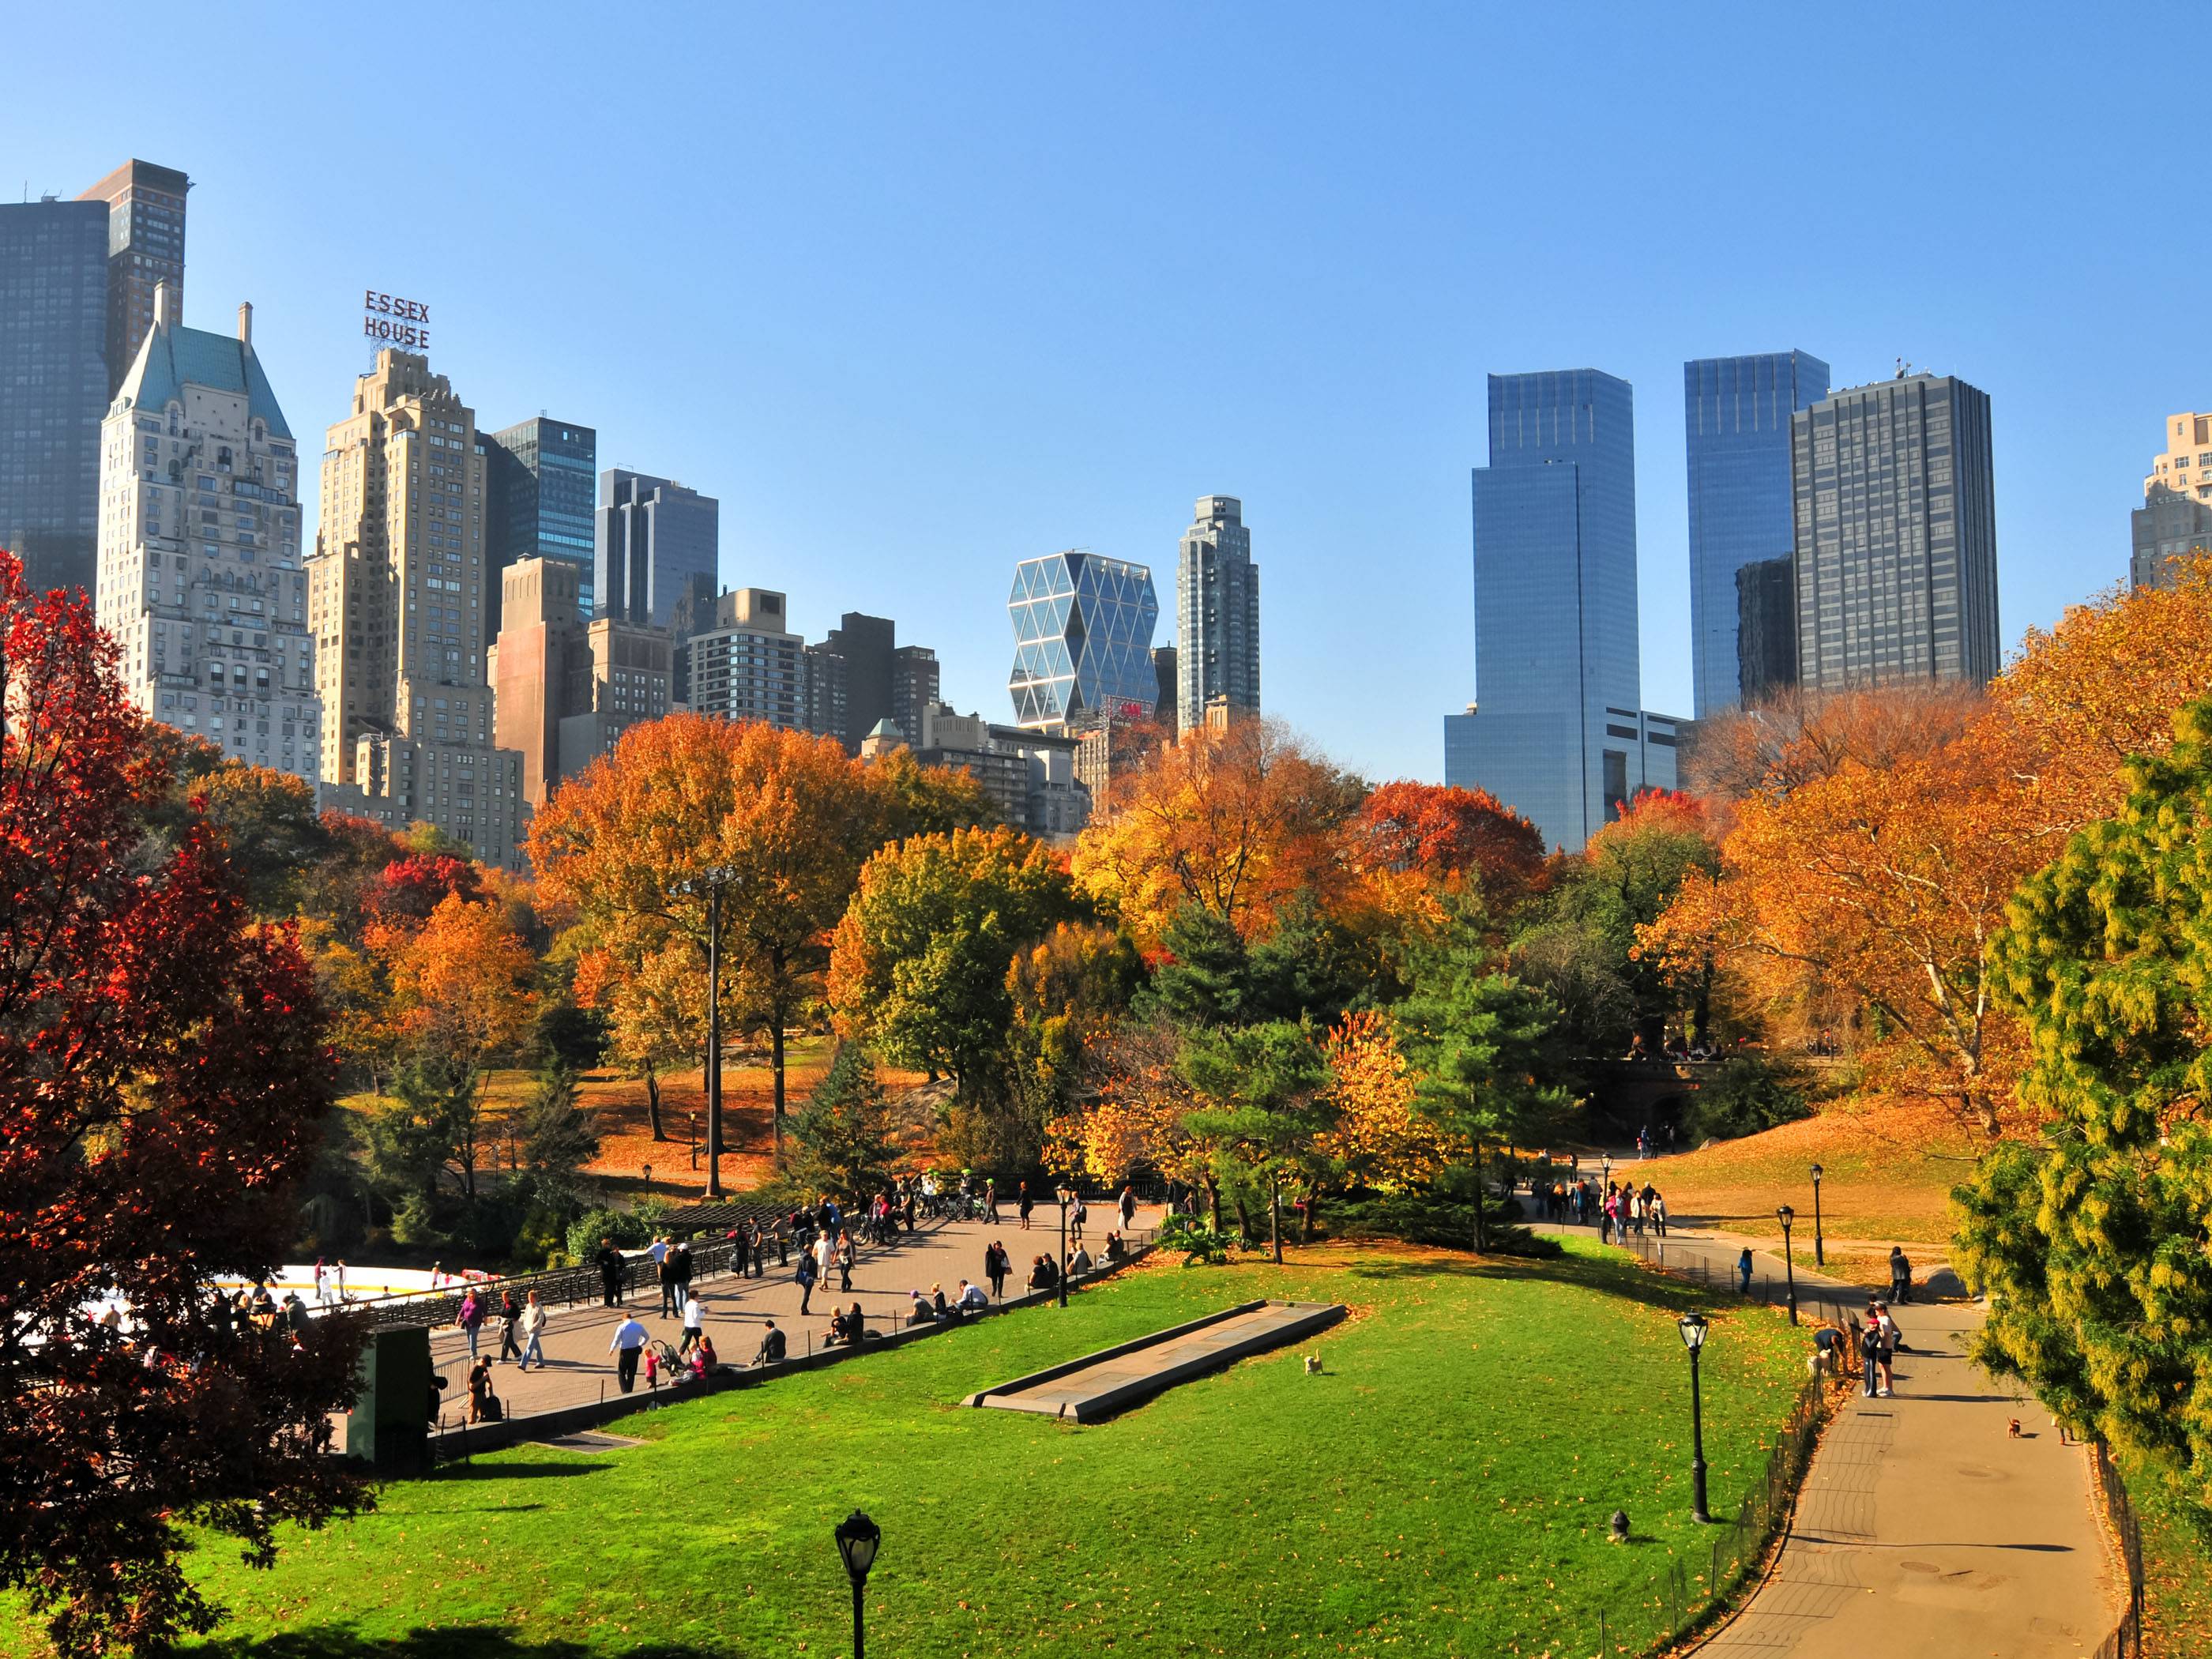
x: 579, y: 1370
x: 1924, y: 1530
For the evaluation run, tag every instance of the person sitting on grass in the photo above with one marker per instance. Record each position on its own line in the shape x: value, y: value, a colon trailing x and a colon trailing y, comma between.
x: 772, y: 1347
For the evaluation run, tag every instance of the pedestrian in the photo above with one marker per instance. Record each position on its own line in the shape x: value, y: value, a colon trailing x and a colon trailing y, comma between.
x: 1077, y: 1216
x: 1743, y: 1271
x: 652, y: 1366
x: 1870, y: 1354
x: 844, y: 1261
x: 1659, y: 1212
x: 319, y: 1282
x: 338, y: 1281
x: 533, y: 1332
x: 629, y: 1340
x: 695, y: 1318
x: 1023, y: 1204
x: 480, y: 1390
x: 990, y: 1200
x: 471, y: 1319
x: 680, y: 1258
x: 509, y: 1316
x: 996, y: 1264
x: 1128, y: 1208
x: 1887, y: 1330
x: 664, y: 1270
x: 1900, y: 1275
x: 806, y: 1276
x: 739, y: 1245
x: 610, y: 1263
x: 826, y: 1254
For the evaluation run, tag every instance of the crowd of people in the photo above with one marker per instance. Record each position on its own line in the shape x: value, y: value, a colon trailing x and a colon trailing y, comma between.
x: 1616, y: 1210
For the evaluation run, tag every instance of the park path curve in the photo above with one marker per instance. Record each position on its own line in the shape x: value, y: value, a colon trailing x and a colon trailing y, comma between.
x: 1924, y: 1530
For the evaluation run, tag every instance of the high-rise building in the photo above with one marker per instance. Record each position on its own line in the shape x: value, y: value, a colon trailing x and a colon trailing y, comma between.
x: 1736, y: 413
x: 748, y: 665
x: 1029, y: 776
x: 1163, y: 685
x: 913, y: 684
x: 826, y: 699
x: 1083, y: 640
x: 2175, y: 520
x: 54, y: 387
x: 567, y: 689
x: 397, y: 596
x: 650, y: 538
x: 1217, y: 611
x: 145, y: 208
x: 1765, y: 629
x: 1556, y: 730
x: 201, y: 584
x: 866, y: 646
x: 1895, y: 541
x: 537, y: 501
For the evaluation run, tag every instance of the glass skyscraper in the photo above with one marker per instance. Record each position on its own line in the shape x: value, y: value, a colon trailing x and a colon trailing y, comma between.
x: 1736, y: 412
x: 1556, y: 730
x: 650, y: 538
x: 1083, y: 639
x: 538, y: 500
x: 53, y: 387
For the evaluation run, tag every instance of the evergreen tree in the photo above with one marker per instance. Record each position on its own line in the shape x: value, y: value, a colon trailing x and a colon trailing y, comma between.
x: 843, y: 1135
x: 559, y: 1136
x: 1206, y: 976
x: 1267, y: 1086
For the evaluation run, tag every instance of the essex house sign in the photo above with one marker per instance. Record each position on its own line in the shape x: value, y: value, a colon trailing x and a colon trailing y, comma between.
x: 390, y: 320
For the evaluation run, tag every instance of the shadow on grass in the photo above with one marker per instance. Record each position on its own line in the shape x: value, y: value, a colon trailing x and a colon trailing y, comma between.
x: 513, y: 1471
x: 456, y: 1642
x: 1622, y: 1277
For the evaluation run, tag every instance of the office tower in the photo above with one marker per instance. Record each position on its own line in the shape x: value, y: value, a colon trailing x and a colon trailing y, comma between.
x: 1736, y: 413
x: 396, y: 591
x: 746, y: 665
x: 866, y: 645
x: 537, y: 502
x: 1030, y: 776
x: 567, y: 689
x: 1083, y: 640
x: 145, y: 208
x: 1217, y: 611
x: 1765, y: 629
x: 692, y: 613
x: 54, y: 387
x: 1895, y: 538
x: 825, y: 693
x: 913, y: 684
x: 650, y: 538
x: 2175, y: 519
x: 1557, y: 730
x: 1164, y: 688
x: 200, y: 578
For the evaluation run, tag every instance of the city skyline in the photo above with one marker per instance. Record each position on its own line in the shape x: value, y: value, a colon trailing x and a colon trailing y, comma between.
x: 894, y: 435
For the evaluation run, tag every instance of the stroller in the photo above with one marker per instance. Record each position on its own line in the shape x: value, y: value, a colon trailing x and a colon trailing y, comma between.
x: 667, y: 1364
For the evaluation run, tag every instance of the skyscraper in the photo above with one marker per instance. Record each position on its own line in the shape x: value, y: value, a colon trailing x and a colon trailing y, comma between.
x: 1765, y: 629
x: 54, y: 387
x: 1736, y: 412
x: 1895, y: 539
x: 747, y: 664
x: 1556, y: 730
x: 397, y: 598
x: 2175, y: 519
x: 1217, y: 611
x: 913, y: 685
x: 200, y: 578
x: 650, y: 537
x: 537, y: 502
x: 1083, y: 640
x: 145, y: 248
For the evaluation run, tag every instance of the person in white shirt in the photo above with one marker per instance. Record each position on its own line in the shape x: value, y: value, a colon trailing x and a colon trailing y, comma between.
x: 825, y: 1252
x: 533, y: 1332
x: 971, y: 1299
x: 695, y: 1315
x: 630, y: 1338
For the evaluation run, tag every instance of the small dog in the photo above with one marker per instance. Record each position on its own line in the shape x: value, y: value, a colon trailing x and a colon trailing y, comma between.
x: 1618, y: 1532
x: 2014, y: 1430
x: 1313, y: 1366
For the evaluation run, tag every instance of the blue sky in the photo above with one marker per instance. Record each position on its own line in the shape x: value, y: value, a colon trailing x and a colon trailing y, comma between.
x: 920, y: 290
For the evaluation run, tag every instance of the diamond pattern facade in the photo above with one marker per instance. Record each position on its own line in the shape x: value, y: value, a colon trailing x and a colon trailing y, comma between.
x: 1083, y: 638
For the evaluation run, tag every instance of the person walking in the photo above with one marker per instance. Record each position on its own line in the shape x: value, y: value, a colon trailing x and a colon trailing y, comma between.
x: 471, y: 1319
x: 826, y: 1254
x: 1023, y: 1204
x: 1128, y: 1208
x: 695, y: 1320
x: 1743, y: 1271
x: 739, y: 1244
x: 1077, y: 1216
x: 996, y: 1265
x: 610, y: 1263
x: 1659, y: 1213
x: 845, y: 1254
x: 509, y: 1316
x: 1870, y: 1354
x: 680, y: 1260
x: 1885, y: 1329
x: 806, y: 1277
x: 990, y: 1200
x: 629, y: 1340
x: 1900, y: 1275
x: 665, y: 1272
x: 533, y: 1332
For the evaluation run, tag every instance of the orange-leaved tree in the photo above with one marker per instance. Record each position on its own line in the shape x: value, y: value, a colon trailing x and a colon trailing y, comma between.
x: 1380, y: 1138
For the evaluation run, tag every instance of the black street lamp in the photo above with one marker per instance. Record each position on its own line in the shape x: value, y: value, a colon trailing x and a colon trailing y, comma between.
x: 1060, y: 1277
x: 1692, y: 1326
x: 1785, y: 1215
x: 1820, y: 1251
x: 711, y: 881
x: 857, y: 1539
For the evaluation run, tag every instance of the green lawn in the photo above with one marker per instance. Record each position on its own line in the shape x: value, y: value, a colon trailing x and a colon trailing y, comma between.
x: 1443, y: 1488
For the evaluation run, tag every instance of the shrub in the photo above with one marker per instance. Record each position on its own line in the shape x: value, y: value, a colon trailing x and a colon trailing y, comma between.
x: 1746, y: 1096
x: 1430, y: 1218
x: 1196, y: 1239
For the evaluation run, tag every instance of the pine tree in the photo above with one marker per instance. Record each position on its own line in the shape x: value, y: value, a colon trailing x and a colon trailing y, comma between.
x: 843, y: 1135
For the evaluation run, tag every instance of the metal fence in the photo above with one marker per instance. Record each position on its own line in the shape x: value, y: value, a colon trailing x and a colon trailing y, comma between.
x: 2126, y: 1641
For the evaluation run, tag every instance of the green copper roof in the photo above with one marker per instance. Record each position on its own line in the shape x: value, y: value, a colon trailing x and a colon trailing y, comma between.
x: 174, y: 357
x: 885, y: 728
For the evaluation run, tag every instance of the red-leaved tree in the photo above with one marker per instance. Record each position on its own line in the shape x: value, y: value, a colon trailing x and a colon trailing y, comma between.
x: 1443, y: 832
x: 162, y: 1068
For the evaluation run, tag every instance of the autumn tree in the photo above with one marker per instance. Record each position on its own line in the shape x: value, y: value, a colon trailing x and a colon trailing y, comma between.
x: 161, y: 1073
x: 778, y: 820
x: 927, y: 800
x: 1068, y: 989
x: 1448, y: 833
x: 1380, y: 1138
x: 1233, y: 820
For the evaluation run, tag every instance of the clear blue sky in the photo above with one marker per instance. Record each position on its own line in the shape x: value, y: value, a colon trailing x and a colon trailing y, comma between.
x: 920, y: 290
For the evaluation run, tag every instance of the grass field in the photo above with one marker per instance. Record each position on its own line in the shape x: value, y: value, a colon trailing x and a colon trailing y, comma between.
x: 2177, y: 1578
x: 1443, y: 1488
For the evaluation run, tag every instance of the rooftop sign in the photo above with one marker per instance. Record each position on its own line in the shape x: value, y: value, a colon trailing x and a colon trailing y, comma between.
x: 390, y: 320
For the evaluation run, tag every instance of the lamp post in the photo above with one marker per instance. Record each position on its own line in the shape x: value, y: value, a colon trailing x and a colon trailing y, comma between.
x: 1820, y: 1250
x: 1692, y: 1326
x: 1061, y: 1276
x: 1785, y: 1215
x: 693, y: 1117
x: 857, y: 1540
x: 711, y: 881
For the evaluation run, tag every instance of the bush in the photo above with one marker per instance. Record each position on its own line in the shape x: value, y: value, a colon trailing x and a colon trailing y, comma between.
x: 1196, y: 1239
x: 628, y: 1230
x: 1746, y: 1096
x: 1435, y: 1218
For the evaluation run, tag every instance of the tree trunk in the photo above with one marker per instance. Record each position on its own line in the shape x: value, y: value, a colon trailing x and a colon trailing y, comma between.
x: 1243, y: 1220
x: 1306, y: 1217
x: 1481, y: 1237
x: 776, y: 1060
x: 1214, y: 1200
x: 652, y: 1101
x: 1275, y: 1217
